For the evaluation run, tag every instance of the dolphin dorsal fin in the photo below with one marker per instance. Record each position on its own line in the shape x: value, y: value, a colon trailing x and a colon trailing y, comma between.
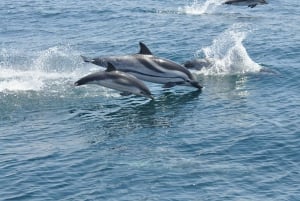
x: 110, y: 67
x: 144, y: 49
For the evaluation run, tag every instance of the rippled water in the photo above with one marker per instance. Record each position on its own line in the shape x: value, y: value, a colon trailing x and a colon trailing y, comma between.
x: 238, y: 139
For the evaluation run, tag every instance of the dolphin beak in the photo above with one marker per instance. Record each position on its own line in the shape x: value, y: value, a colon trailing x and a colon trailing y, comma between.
x: 196, y: 84
x: 79, y: 82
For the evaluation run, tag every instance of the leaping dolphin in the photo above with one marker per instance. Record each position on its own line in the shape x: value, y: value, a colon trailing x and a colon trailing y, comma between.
x: 113, y: 79
x: 249, y: 3
x: 145, y: 66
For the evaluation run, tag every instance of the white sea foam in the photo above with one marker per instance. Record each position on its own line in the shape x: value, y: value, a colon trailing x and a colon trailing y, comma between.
x: 39, y: 70
x: 197, y: 8
x: 228, y: 54
x: 53, y: 70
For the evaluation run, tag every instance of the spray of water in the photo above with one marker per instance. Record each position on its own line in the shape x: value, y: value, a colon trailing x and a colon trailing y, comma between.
x: 23, y: 72
x: 49, y: 72
x: 227, y: 53
x: 196, y: 8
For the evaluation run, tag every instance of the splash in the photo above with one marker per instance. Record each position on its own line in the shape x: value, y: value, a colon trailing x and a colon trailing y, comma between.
x: 38, y: 71
x: 197, y: 8
x: 48, y: 72
x: 227, y: 53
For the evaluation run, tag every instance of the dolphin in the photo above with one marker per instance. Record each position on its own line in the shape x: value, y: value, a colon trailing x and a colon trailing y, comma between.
x: 197, y: 64
x: 249, y: 3
x: 114, y: 79
x: 145, y: 66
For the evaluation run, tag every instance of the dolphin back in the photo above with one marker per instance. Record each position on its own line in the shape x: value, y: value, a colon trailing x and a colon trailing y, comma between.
x: 88, y: 79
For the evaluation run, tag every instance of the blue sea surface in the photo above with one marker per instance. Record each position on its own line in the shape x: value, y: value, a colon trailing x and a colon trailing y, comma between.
x: 237, y: 139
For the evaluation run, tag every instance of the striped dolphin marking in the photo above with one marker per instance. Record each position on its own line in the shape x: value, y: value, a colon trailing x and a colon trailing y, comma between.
x: 114, y: 79
x: 145, y: 66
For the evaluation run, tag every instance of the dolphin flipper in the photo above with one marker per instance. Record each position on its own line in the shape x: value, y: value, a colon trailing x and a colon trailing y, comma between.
x: 110, y: 67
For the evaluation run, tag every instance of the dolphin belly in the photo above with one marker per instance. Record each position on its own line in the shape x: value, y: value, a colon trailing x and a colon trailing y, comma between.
x: 117, y: 86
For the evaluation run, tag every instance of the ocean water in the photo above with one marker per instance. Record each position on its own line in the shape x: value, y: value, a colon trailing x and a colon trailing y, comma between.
x: 237, y: 139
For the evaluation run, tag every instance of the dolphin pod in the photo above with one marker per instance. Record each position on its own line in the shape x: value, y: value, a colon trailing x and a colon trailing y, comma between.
x: 145, y: 66
x: 125, y: 72
x: 249, y: 3
x: 113, y: 79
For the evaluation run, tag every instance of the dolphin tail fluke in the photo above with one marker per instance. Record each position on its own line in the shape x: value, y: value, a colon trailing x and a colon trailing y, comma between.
x: 86, y: 59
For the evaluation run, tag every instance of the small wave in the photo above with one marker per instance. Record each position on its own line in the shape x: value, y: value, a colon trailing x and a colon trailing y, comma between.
x: 227, y: 53
x: 197, y: 8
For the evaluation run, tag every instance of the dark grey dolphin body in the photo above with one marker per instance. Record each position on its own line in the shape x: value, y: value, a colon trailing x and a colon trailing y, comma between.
x: 249, y: 3
x: 113, y: 79
x: 197, y: 64
x: 145, y: 66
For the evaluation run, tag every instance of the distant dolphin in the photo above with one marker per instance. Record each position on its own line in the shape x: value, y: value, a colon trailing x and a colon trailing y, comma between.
x: 197, y: 64
x: 145, y: 66
x: 111, y: 78
x: 249, y: 3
